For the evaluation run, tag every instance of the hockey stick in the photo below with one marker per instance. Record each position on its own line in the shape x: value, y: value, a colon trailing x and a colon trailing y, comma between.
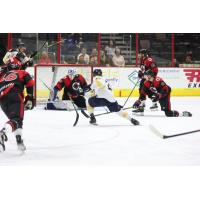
x: 131, y: 92
x: 105, y: 113
x: 162, y: 136
x: 51, y: 45
x: 77, y: 114
x: 36, y: 52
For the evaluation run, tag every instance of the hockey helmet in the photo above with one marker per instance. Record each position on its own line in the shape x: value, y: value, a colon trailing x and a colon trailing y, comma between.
x: 149, y: 72
x: 71, y: 71
x: 145, y: 52
x: 21, y: 45
x: 97, y: 72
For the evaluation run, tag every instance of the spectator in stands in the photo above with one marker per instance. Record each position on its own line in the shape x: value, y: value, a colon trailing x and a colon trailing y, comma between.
x: 44, y: 59
x: 70, y: 60
x: 176, y: 63
x: 85, y: 55
x: 102, y: 58
x: 94, y: 57
x: 188, y: 59
x: 110, y: 50
x: 118, y: 59
x: 81, y: 60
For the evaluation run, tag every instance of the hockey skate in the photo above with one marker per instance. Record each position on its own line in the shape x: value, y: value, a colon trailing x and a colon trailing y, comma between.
x: 3, y: 138
x: 20, y: 143
x: 93, y: 119
x: 135, y: 122
x: 154, y: 107
x: 186, y: 114
x: 138, y: 111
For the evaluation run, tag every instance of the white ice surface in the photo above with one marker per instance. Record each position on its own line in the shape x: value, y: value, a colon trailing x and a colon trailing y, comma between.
x: 52, y: 140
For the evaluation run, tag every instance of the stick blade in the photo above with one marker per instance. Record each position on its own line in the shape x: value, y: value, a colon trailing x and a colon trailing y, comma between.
x: 156, y: 131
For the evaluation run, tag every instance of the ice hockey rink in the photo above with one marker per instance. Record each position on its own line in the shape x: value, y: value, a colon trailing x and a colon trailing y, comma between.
x: 51, y: 138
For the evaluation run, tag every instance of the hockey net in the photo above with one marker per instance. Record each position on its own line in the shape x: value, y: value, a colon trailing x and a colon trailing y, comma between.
x: 46, y: 77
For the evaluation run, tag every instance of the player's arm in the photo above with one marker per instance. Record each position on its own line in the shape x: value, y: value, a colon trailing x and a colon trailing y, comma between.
x: 29, y: 102
x: 154, y: 68
x: 6, y: 58
x: 58, y: 87
x: 165, y: 89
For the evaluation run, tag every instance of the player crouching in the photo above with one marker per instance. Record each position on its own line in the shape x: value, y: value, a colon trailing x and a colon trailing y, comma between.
x: 101, y: 95
x: 158, y: 91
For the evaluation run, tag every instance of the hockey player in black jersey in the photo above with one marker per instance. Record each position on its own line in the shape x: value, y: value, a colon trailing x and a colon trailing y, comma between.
x: 12, y: 102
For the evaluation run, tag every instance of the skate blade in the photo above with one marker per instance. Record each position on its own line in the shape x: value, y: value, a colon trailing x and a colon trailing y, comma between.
x: 138, y: 113
x: 94, y: 124
x: 154, y: 109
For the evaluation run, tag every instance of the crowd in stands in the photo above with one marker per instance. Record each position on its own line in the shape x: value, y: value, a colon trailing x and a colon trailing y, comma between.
x: 78, y: 48
x: 110, y: 55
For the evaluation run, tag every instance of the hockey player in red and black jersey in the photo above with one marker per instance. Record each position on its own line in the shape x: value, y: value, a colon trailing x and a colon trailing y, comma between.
x: 158, y: 91
x: 74, y: 85
x: 146, y: 63
x: 19, y: 53
x: 12, y: 84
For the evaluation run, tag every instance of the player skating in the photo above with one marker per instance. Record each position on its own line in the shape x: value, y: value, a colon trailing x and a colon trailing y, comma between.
x: 158, y: 91
x: 146, y: 63
x: 101, y: 95
x: 12, y: 84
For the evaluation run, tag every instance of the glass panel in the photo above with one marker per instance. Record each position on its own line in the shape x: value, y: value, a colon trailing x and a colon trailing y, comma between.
x: 29, y: 39
x: 160, y: 46
x: 124, y: 43
x: 49, y: 53
x: 79, y: 48
x: 187, y: 48
x: 3, y: 46
x: 34, y: 41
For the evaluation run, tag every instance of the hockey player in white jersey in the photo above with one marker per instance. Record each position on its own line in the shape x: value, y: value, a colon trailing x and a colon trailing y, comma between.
x: 101, y: 95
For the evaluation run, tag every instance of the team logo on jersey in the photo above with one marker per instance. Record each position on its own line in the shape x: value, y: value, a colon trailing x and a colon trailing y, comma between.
x: 10, y: 77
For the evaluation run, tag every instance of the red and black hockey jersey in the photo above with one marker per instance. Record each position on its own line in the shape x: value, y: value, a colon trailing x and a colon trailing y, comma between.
x: 148, y: 63
x: 15, y: 81
x: 156, y: 86
x: 71, y: 86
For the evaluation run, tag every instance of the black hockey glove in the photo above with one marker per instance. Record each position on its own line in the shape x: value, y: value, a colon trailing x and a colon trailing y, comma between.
x: 29, y: 102
x: 140, y: 74
x: 137, y: 104
x: 87, y: 88
x: 155, y: 97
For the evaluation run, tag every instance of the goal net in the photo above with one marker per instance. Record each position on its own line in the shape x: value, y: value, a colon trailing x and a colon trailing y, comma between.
x: 46, y: 77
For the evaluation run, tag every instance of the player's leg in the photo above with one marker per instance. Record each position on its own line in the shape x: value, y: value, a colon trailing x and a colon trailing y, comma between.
x: 115, y: 107
x: 15, y: 113
x: 91, y: 104
x: 165, y: 105
x: 4, y: 102
x: 80, y: 102
x: 138, y: 106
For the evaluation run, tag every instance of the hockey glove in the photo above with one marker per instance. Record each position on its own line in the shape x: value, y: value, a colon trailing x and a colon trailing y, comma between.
x: 137, y: 104
x: 155, y: 97
x: 140, y: 74
x: 29, y: 102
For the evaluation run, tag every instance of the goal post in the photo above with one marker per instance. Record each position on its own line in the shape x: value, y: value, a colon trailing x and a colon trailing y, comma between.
x: 47, y: 75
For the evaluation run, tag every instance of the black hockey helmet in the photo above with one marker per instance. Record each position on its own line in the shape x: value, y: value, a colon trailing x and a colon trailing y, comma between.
x: 21, y: 45
x: 145, y: 52
x: 97, y: 72
x: 149, y: 72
